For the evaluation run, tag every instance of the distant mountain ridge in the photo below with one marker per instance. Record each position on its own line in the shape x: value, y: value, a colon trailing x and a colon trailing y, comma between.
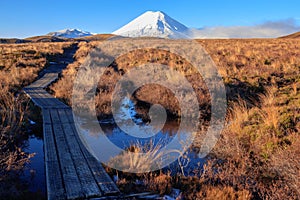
x: 70, y: 33
x: 153, y: 24
x: 47, y: 38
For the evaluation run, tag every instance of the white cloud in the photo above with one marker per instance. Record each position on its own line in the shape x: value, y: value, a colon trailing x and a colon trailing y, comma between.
x: 269, y: 29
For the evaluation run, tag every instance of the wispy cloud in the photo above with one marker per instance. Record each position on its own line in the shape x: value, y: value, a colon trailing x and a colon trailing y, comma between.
x: 269, y: 29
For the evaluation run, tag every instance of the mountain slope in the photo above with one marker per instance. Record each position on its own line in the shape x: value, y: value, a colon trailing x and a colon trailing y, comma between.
x: 153, y: 24
x: 70, y: 33
x: 13, y: 41
x: 292, y: 36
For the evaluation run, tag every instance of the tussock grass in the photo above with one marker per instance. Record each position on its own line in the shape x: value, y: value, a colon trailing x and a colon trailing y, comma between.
x: 257, y: 156
x: 140, y: 157
x: 20, y: 63
x: 19, y: 66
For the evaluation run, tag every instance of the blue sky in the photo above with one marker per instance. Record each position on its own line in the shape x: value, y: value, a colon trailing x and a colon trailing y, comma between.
x: 37, y: 17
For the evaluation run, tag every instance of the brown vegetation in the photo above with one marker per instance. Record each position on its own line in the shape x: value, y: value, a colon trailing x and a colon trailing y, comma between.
x: 263, y: 125
x: 20, y: 63
x: 257, y: 156
x: 47, y: 39
x: 19, y: 66
x: 144, y: 96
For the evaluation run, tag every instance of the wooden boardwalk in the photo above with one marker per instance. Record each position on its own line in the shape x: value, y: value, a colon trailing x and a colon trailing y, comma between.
x: 71, y: 171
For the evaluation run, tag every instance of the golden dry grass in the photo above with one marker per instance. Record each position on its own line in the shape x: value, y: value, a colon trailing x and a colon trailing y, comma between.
x: 257, y: 155
x: 19, y: 66
x: 145, y: 96
x: 20, y: 63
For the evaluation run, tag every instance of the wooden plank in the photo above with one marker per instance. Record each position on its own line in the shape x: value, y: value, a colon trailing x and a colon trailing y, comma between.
x: 70, y: 178
x: 50, y: 147
x: 55, y: 189
x: 88, y: 183
x: 38, y: 99
x: 105, y: 183
x: 69, y: 114
x: 35, y: 98
x: 63, y: 116
x: 43, y: 99
x: 49, y: 78
x: 49, y: 101
x: 103, y: 179
x: 54, y: 116
x: 37, y: 83
x: 46, y: 80
x: 46, y: 116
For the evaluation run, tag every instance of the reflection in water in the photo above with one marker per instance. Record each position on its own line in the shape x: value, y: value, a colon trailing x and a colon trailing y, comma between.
x: 150, y: 146
x: 34, y: 172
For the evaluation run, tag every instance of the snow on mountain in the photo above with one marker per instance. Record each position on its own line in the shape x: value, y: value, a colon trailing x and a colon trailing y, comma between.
x: 153, y: 24
x: 70, y: 33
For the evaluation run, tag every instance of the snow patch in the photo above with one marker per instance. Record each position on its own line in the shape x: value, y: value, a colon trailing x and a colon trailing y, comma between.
x: 70, y: 33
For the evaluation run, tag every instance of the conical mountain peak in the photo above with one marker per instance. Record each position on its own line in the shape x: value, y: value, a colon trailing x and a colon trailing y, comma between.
x: 153, y: 24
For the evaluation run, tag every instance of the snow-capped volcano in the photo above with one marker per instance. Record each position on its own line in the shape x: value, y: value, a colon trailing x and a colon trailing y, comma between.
x: 70, y: 33
x: 153, y: 24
